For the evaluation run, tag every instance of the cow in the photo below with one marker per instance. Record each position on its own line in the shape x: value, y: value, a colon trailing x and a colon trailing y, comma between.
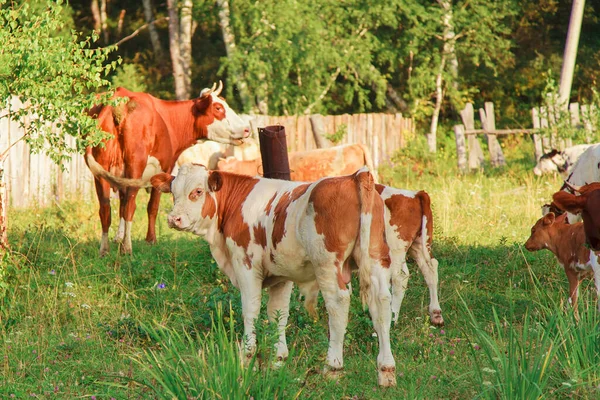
x: 586, y: 170
x: 208, y: 152
x: 147, y: 136
x: 311, y: 165
x: 560, y: 161
x: 585, y: 201
x: 408, y: 230
x: 567, y: 243
x: 269, y: 233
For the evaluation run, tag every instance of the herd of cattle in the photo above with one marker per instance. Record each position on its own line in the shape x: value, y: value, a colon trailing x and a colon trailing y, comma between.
x: 331, y: 219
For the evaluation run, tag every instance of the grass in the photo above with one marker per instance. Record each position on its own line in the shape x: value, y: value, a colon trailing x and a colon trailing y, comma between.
x: 166, y: 322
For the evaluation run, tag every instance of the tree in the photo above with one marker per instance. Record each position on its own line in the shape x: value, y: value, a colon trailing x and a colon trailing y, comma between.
x: 442, y: 34
x: 56, y: 74
x: 566, y: 75
x: 180, y: 44
x: 310, y: 56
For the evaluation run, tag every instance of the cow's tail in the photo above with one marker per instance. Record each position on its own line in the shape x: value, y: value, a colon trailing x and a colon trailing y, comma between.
x: 426, y: 236
x: 369, y: 162
x: 99, y: 172
x: 370, y: 232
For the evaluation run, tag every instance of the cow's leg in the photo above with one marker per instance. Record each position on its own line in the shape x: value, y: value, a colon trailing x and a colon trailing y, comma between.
x: 573, y: 278
x: 103, y: 192
x: 429, y: 268
x: 400, y: 275
x: 130, y: 195
x: 121, y: 230
x: 152, y: 211
x: 337, y: 303
x: 596, y: 269
x: 251, y: 291
x: 379, y: 301
x: 278, y: 309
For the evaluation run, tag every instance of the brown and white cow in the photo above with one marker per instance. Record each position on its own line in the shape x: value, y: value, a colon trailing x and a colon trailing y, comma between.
x: 567, y: 242
x: 310, y: 165
x: 148, y: 134
x: 267, y: 233
x: 585, y: 201
x: 408, y: 230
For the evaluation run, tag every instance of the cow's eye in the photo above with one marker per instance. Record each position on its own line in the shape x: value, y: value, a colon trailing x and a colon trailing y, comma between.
x: 195, y: 194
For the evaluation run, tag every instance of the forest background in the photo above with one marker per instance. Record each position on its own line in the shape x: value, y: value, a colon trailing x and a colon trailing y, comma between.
x: 331, y: 57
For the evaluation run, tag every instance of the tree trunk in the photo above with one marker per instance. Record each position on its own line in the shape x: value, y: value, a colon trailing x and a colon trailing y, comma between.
x: 96, y: 15
x: 185, y: 46
x: 566, y: 73
x: 175, y: 50
x: 154, y: 39
x: 229, y: 40
x: 103, y: 20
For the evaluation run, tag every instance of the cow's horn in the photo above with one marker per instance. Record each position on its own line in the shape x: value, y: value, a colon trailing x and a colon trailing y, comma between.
x: 214, y: 86
x: 573, y: 187
x: 220, y: 88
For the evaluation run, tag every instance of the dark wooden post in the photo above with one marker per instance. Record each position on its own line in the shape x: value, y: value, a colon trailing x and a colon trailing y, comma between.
x: 273, y: 152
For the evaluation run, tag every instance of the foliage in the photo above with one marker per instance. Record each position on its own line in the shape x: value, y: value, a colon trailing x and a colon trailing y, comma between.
x: 54, y: 71
x: 338, y: 135
x: 129, y: 76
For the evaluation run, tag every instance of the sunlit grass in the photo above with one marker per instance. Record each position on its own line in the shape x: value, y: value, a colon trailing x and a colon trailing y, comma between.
x: 74, y: 325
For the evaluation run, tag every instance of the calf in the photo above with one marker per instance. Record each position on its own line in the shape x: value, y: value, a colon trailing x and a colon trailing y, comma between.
x: 567, y: 242
x: 408, y: 230
x: 208, y: 153
x: 147, y: 136
x: 267, y: 233
x: 311, y: 165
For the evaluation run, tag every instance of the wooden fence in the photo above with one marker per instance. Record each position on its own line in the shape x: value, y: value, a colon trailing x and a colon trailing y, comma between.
x: 470, y: 154
x: 34, y: 179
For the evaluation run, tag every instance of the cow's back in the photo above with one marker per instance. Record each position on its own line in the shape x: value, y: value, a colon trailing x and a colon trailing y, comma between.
x: 334, y: 161
x: 586, y: 169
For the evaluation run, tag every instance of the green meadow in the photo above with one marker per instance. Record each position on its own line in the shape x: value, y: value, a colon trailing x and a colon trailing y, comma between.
x: 166, y: 323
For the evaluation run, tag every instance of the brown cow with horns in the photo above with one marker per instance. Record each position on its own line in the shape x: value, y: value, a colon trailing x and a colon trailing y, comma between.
x: 148, y: 134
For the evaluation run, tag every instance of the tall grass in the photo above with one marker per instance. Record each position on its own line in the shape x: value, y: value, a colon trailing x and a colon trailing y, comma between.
x: 73, y: 325
x: 210, y: 365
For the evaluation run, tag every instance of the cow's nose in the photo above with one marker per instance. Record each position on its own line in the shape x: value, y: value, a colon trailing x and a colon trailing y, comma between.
x: 174, y: 221
x: 246, y: 132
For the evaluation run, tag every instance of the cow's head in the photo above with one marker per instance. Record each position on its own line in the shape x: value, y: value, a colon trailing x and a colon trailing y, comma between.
x: 587, y: 203
x: 217, y: 119
x: 194, y: 203
x: 542, y: 231
x: 551, y: 162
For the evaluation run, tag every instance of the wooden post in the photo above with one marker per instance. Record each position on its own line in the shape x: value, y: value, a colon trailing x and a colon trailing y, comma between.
x: 318, y: 129
x: 273, y: 152
x: 537, y: 139
x: 3, y: 210
x: 546, y: 144
x: 488, y: 122
x: 475, y: 152
x: 461, y: 147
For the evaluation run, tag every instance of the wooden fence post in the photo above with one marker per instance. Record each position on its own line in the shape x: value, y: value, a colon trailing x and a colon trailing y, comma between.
x: 461, y: 147
x: 537, y: 139
x: 318, y: 129
x: 475, y: 152
x: 488, y: 122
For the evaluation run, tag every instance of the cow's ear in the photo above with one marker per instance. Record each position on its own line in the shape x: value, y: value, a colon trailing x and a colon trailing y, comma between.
x: 201, y: 104
x: 569, y: 202
x: 215, y: 181
x: 162, y: 182
x: 549, y: 218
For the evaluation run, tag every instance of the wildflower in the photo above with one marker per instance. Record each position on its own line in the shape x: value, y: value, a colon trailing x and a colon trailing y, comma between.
x: 489, y: 370
x: 433, y: 377
x: 85, y: 306
x: 451, y: 352
x: 161, y: 285
x: 442, y: 332
x: 475, y: 346
x: 52, y: 272
x: 69, y: 284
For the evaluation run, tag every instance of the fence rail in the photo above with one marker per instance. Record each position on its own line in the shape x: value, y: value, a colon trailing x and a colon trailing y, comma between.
x: 35, y: 179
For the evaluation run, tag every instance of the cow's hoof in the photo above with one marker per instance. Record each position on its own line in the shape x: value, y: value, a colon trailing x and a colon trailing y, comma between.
x: 436, y: 318
x: 126, y: 251
x: 333, y: 373
x: 386, y: 376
